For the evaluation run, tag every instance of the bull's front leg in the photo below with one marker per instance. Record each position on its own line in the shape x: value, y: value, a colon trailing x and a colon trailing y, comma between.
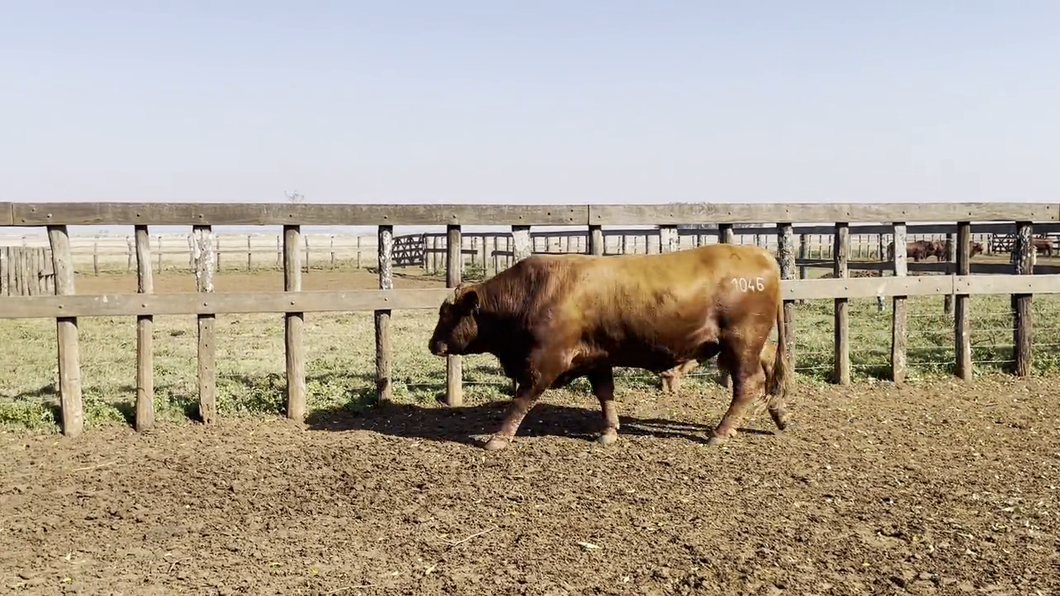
x: 603, y: 384
x: 526, y: 395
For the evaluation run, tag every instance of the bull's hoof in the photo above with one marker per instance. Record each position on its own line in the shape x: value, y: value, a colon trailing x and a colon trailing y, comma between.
x: 496, y: 444
x: 608, y: 437
x: 716, y: 440
x: 780, y: 418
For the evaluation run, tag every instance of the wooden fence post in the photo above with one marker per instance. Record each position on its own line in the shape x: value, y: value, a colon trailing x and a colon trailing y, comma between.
x: 72, y: 414
x: 669, y: 241
x: 841, y: 252
x: 4, y: 269
x: 725, y: 236
x: 962, y: 339
x: 145, y: 375
x: 203, y: 256
x: 250, y: 255
x: 596, y: 240
x: 898, y: 315
x: 454, y: 390
x: 383, y: 346
x: 294, y: 325
x: 1024, y: 252
x: 786, y: 254
x: 523, y: 248
x: 947, y: 300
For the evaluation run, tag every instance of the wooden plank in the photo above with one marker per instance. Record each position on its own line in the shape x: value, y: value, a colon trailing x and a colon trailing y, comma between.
x: 899, y: 319
x: 947, y: 300
x: 521, y: 245
x: 28, y: 214
x: 704, y: 213
x: 841, y: 361
x: 5, y: 257
x: 962, y: 319
x: 384, y: 348
x: 725, y: 236
x: 1024, y: 253
x: 786, y: 257
x: 454, y: 388
x: 868, y: 229
x: 669, y: 241
x: 596, y: 240
x: 943, y: 267
x: 145, y: 375
x: 69, y: 352
x: 7, y: 217
x: 205, y: 264
x: 1006, y: 284
x: 294, y: 325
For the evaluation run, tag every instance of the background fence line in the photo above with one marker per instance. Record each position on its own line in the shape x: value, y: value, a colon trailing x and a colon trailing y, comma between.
x: 1018, y: 278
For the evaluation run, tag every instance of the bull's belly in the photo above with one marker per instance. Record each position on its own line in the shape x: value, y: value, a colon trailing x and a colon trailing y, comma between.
x: 655, y: 358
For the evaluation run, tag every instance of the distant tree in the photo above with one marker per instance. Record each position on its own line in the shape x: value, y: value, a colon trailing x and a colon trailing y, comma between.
x: 295, y: 197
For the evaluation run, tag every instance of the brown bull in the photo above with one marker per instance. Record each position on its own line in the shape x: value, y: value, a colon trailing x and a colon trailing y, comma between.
x: 550, y: 319
x: 1043, y: 246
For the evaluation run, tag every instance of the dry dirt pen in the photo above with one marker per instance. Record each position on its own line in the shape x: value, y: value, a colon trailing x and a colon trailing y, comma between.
x: 933, y: 487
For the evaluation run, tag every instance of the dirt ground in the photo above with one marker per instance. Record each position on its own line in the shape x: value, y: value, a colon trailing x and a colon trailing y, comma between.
x: 938, y: 488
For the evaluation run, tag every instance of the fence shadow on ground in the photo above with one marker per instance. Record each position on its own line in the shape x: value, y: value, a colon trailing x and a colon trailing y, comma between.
x: 472, y: 425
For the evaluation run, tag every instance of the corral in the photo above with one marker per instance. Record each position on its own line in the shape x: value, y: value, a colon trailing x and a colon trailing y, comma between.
x: 940, y: 482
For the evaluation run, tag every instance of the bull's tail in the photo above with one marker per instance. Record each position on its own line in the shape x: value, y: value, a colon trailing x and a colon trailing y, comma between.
x: 777, y: 384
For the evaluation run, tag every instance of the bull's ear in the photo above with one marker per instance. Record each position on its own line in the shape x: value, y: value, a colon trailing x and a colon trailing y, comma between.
x: 469, y: 300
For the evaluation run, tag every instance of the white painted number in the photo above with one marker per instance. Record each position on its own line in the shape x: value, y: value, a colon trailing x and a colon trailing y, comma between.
x: 745, y: 284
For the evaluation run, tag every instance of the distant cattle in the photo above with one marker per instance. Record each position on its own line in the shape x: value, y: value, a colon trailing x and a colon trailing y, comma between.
x: 550, y: 319
x: 920, y: 249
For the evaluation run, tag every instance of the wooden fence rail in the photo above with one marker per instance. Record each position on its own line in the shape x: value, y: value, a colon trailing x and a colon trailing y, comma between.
x: 65, y: 307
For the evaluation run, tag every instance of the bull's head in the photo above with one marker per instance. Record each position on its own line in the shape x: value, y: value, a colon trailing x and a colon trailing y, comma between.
x: 457, y: 326
x: 977, y: 247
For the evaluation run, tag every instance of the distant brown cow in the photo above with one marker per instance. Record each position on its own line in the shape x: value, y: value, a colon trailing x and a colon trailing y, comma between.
x: 671, y: 379
x: 1043, y: 246
x: 550, y: 319
x: 918, y: 249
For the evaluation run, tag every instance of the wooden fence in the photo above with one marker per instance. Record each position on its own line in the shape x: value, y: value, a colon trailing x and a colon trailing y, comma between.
x: 26, y: 271
x: 1020, y: 280
x: 482, y: 251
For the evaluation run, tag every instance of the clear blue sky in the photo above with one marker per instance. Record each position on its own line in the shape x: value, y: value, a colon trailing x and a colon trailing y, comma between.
x: 544, y: 101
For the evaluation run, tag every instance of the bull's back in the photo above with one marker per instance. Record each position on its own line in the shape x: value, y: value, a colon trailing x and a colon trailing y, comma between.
x: 668, y: 302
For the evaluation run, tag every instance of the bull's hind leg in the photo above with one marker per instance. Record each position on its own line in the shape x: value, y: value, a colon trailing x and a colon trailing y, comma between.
x: 741, y: 356
x: 603, y: 383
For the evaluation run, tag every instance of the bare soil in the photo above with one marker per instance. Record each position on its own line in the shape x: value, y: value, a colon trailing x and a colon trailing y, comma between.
x: 941, y: 488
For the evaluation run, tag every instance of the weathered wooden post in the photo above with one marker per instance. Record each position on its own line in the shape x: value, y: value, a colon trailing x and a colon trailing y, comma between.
x: 947, y: 300
x: 786, y: 254
x: 72, y: 414
x: 961, y: 332
x: 1021, y: 303
x: 454, y: 390
x: 725, y: 236
x: 840, y: 252
x: 203, y: 257
x: 898, y: 315
x: 294, y: 325
x: 383, y: 346
x: 145, y: 376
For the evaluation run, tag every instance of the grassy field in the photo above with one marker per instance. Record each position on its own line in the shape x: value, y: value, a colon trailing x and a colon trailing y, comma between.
x: 340, y: 368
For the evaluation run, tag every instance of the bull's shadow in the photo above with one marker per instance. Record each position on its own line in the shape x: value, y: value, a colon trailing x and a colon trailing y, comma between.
x: 473, y: 424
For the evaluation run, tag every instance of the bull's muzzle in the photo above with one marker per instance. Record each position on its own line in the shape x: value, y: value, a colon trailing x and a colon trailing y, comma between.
x: 439, y: 348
